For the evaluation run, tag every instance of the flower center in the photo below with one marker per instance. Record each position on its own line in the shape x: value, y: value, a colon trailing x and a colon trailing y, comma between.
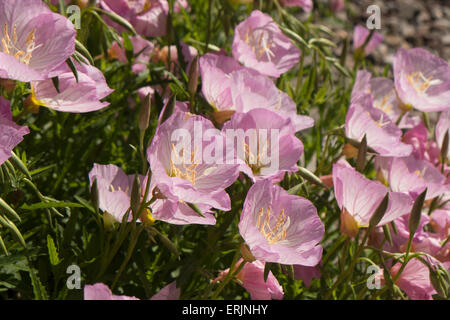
x: 180, y: 169
x: 256, y: 160
x: 420, y: 173
x: 274, y: 232
x: 9, y: 45
x: 383, y: 106
x: 140, y: 8
x: 261, y: 42
x: 420, y: 83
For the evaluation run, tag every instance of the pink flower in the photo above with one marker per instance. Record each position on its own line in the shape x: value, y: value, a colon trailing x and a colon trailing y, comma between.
x: 114, y: 189
x: 73, y: 96
x: 260, y: 45
x: 169, y: 292
x: 440, y: 221
x: 442, y: 127
x: 359, y: 197
x: 187, y: 164
x: 414, y: 280
x: 266, y: 144
x: 148, y: 17
x: 215, y: 72
x: 180, y: 4
x: 423, y: 148
x: 381, y: 92
x: 34, y: 40
x: 306, y: 5
x: 306, y: 274
x: 251, y: 91
x: 410, y: 175
x: 422, y: 80
x: 279, y: 227
x: 382, y: 134
x: 11, y: 134
x: 360, y: 35
x: 141, y: 47
x: 100, y: 291
x: 251, y: 277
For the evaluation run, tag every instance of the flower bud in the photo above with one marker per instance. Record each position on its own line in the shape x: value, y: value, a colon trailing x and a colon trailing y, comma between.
x: 144, y: 113
x: 246, y: 253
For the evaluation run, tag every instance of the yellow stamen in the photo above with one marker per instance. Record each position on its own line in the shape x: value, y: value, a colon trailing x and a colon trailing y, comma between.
x: 10, y: 46
x: 278, y: 232
x: 184, y: 172
x: 420, y: 83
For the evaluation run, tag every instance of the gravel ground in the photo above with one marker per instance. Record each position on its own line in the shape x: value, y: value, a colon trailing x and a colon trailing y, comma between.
x: 407, y: 24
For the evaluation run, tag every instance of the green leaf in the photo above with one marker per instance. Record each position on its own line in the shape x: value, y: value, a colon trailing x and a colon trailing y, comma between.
x: 362, y: 152
x: 311, y: 177
x: 19, y: 163
x: 117, y: 19
x: 83, y: 51
x: 38, y: 288
x: 380, y: 211
x: 8, y: 209
x: 52, y: 252
x: 416, y: 213
x: 196, y: 209
x: 72, y: 68
x: 51, y: 204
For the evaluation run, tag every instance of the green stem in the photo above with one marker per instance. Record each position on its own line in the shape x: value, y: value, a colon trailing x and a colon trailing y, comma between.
x: 231, y: 274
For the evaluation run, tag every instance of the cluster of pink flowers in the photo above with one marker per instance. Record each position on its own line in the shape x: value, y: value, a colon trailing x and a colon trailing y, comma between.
x: 276, y: 226
x: 35, y: 45
x: 250, y: 136
x: 407, y: 162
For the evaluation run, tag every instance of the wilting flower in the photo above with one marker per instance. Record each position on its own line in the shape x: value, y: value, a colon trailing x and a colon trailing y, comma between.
x: 306, y: 5
x: 266, y: 143
x: 251, y: 91
x: 422, y: 80
x: 359, y: 197
x: 11, y: 134
x: 381, y: 92
x: 188, y: 165
x: 412, y: 176
x: 148, y: 17
x: 443, y: 127
x: 423, y: 148
x: 34, y: 40
x: 279, y: 227
x: 414, y: 280
x: 162, y: 54
x: 382, y: 134
x: 251, y: 277
x: 215, y: 72
x: 100, y: 291
x: 74, y: 96
x: 260, y: 45
x: 141, y: 47
x: 360, y: 35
